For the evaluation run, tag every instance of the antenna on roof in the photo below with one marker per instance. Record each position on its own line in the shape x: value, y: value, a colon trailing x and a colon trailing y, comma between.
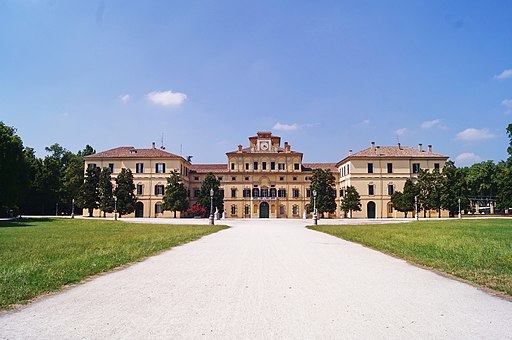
x: 181, y: 150
x: 162, y: 142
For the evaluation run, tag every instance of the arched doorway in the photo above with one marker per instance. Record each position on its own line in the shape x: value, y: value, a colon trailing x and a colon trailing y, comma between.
x: 264, y: 210
x: 139, y: 209
x: 370, y: 208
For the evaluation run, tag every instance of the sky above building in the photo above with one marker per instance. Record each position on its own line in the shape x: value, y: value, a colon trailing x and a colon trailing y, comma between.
x: 203, y: 76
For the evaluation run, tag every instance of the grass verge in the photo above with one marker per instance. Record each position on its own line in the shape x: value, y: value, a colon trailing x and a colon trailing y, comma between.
x: 479, y: 251
x: 42, y: 255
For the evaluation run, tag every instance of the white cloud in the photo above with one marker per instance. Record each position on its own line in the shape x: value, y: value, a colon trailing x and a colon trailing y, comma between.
x: 468, y: 158
x: 472, y: 134
x: 125, y: 98
x: 507, y: 103
x: 401, y: 131
x: 166, y: 98
x: 365, y: 122
x: 430, y: 124
x: 504, y: 75
x: 286, y: 127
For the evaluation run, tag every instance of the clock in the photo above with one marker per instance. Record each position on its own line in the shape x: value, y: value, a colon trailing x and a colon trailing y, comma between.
x: 264, y: 146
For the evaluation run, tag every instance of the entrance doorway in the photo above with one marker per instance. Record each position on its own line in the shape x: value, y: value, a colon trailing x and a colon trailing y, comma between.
x: 139, y: 209
x: 264, y: 210
x: 370, y: 207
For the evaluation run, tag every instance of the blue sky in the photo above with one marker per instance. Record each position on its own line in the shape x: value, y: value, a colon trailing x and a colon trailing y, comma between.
x: 327, y: 76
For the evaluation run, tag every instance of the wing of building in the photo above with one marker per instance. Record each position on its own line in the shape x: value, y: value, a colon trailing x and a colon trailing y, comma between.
x: 267, y: 179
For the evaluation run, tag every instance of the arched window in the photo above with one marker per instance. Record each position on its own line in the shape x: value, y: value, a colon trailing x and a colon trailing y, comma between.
x: 255, y: 192
x: 247, y: 210
x: 158, y: 208
x: 282, y: 210
x: 273, y: 192
x: 295, y: 209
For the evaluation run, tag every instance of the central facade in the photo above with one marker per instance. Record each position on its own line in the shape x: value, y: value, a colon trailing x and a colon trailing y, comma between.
x: 264, y: 180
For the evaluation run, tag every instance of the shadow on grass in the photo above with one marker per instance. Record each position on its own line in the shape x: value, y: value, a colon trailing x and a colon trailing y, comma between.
x: 23, y: 222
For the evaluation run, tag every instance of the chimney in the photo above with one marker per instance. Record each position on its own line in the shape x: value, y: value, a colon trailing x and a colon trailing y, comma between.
x: 373, y: 146
x: 420, y: 147
x: 350, y: 152
x: 287, y: 147
x: 377, y: 150
x: 153, y: 145
x: 399, y: 146
x: 239, y: 148
x: 430, y: 148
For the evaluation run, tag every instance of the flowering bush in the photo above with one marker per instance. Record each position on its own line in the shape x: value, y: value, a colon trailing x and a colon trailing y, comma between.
x: 196, y: 210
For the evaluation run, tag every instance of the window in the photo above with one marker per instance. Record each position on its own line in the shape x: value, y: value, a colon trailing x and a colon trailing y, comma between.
x: 294, y: 178
x: 247, y: 210
x: 281, y: 193
x: 255, y: 192
x: 111, y: 167
x: 295, y: 193
x: 348, y: 169
x: 264, y: 166
x: 196, y: 193
x: 233, y: 193
x: 159, y: 189
x: 370, y: 168
x: 160, y: 168
x: 307, y: 178
x: 415, y: 168
x: 281, y: 210
x: 341, y: 192
x: 255, y: 166
x: 272, y: 192
x: 139, y: 189
x: 91, y: 166
x: 295, y: 209
x: 139, y: 168
x: 281, y: 178
x: 308, y: 192
x: 196, y: 178
x: 391, y: 189
x: 371, y: 189
x: 264, y: 192
x: 436, y: 166
x: 232, y: 166
x: 390, y: 168
x: 246, y: 166
x: 221, y: 192
x: 247, y: 178
x: 233, y: 178
x: 247, y: 193
x: 158, y: 208
x: 296, y: 166
x: 219, y: 178
x: 272, y: 165
x: 233, y: 209
x: 390, y: 208
x: 281, y: 166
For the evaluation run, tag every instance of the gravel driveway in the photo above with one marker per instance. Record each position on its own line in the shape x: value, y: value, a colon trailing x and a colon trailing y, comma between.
x: 270, y: 279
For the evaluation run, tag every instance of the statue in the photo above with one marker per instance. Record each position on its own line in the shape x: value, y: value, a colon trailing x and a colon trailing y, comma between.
x: 217, y: 215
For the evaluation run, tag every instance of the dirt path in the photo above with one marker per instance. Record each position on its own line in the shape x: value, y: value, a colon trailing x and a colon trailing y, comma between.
x: 270, y: 280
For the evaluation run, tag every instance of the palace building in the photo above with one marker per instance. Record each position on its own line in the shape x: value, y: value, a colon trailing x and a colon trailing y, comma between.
x: 268, y: 179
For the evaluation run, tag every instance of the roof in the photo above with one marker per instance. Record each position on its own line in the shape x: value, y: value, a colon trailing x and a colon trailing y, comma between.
x: 206, y: 168
x: 279, y: 150
x: 324, y: 166
x: 131, y: 152
x: 396, y: 151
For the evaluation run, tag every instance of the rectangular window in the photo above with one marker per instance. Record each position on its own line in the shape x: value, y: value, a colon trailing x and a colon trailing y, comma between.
x: 390, y: 208
x: 91, y: 166
x: 160, y: 168
x: 246, y: 166
x: 264, y: 192
x: 233, y: 178
x: 159, y: 189
x: 371, y: 190
x: 415, y: 168
x: 139, y: 168
x: 246, y: 178
x: 233, y: 193
x: 247, y: 193
x: 264, y: 166
x: 348, y: 169
x: 307, y: 178
x: 281, y: 193
x: 308, y: 193
x: 341, y: 192
x: 281, y: 166
x: 139, y: 189
x: 158, y: 208
x: 196, y: 193
x: 294, y: 178
x: 232, y: 166
x: 296, y: 166
x: 436, y: 166
x: 391, y: 189
x: 390, y: 168
x: 111, y: 167
x: 196, y: 178
x: 281, y: 178
x: 255, y: 166
x: 219, y: 178
x: 272, y: 165
x: 247, y: 210
x: 295, y: 193
x: 370, y: 168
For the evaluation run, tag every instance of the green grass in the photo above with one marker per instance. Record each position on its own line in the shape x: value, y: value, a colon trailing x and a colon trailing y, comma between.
x: 42, y: 255
x: 479, y: 251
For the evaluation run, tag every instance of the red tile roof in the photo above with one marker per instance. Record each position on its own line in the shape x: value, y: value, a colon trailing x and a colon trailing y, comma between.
x: 394, y: 152
x: 324, y: 166
x: 131, y: 152
x: 206, y: 168
x: 248, y: 150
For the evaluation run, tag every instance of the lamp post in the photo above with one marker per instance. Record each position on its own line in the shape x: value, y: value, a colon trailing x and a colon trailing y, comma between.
x: 57, y: 209
x: 115, y: 208
x: 416, y: 207
x: 212, y: 221
x: 315, y: 215
x: 73, y: 208
x: 460, y: 216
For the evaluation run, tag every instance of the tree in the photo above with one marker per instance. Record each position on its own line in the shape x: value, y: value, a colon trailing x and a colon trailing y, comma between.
x: 105, y: 195
x: 210, y: 182
x: 89, y: 195
x: 404, y: 201
x: 351, y: 201
x: 13, y: 182
x: 124, y: 192
x: 481, y: 179
x: 176, y: 195
x: 454, y: 187
x: 509, y: 149
x: 504, y: 183
x: 324, y: 183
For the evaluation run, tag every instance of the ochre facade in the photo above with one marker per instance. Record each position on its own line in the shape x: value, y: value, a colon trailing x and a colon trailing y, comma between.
x: 268, y: 179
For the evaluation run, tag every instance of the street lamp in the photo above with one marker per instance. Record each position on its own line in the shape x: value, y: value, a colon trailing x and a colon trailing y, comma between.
x: 416, y: 207
x: 212, y: 222
x: 460, y: 216
x: 315, y: 215
x: 73, y: 208
x: 115, y: 208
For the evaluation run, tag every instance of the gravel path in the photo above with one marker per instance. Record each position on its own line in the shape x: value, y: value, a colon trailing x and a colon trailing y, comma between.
x: 271, y: 280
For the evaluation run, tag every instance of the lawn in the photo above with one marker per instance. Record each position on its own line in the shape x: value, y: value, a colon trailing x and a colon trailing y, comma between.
x: 42, y: 255
x: 479, y: 251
